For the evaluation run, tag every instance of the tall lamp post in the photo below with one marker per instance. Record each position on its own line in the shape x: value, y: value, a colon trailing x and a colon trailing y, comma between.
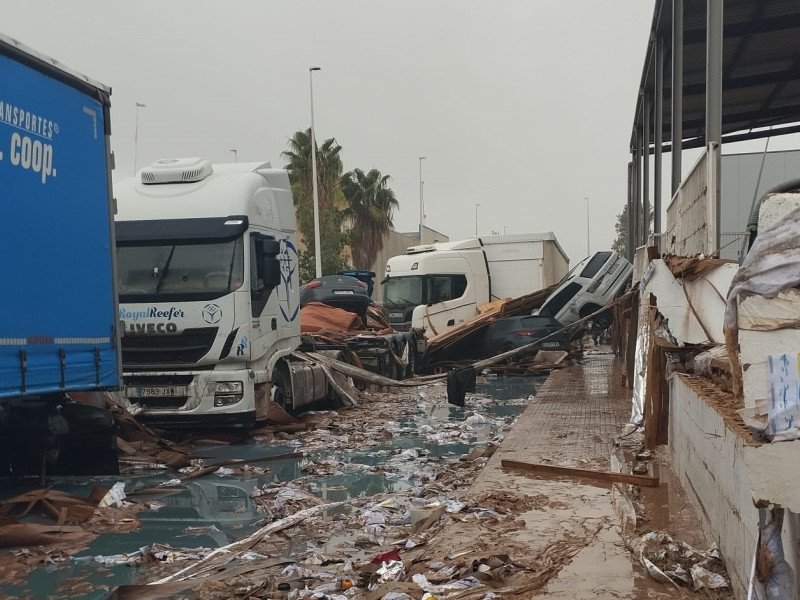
x: 588, y: 250
x: 476, y: 218
x: 235, y: 155
x: 317, y: 249
x: 136, y: 137
x: 421, y: 205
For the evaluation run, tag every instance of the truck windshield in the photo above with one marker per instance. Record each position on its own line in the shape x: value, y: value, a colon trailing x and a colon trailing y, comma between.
x: 404, y: 291
x: 194, y: 270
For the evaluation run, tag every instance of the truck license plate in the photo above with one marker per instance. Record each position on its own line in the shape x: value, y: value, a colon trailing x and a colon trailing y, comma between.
x: 155, y: 391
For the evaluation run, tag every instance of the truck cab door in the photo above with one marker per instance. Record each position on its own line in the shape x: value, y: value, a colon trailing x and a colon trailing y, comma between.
x: 451, y: 302
x: 264, y: 279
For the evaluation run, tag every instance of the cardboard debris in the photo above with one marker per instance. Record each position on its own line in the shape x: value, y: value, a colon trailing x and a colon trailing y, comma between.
x: 59, y: 506
x: 14, y: 534
x: 318, y: 317
x: 492, y: 311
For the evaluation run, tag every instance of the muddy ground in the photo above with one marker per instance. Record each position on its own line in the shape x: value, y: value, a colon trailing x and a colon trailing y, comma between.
x: 381, y: 503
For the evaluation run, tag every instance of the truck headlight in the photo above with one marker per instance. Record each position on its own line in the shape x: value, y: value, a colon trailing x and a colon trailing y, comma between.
x: 229, y: 387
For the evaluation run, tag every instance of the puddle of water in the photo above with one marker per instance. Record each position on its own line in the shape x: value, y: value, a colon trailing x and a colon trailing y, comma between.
x: 223, y: 510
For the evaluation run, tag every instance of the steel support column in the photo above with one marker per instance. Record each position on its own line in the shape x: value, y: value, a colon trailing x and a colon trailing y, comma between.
x: 629, y: 245
x: 677, y: 93
x: 658, y: 138
x: 645, y: 216
x: 637, y: 193
x: 714, y: 96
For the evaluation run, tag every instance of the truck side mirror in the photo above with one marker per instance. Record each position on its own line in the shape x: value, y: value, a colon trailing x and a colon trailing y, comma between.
x: 270, y: 248
x: 272, y: 272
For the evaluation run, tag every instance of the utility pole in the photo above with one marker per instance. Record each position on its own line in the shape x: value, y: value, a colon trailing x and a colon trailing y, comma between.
x: 588, y: 250
x: 421, y: 204
x: 317, y: 249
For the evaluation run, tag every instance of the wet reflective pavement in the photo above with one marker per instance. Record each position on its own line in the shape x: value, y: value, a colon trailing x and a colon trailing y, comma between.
x: 570, y: 524
x: 213, y: 511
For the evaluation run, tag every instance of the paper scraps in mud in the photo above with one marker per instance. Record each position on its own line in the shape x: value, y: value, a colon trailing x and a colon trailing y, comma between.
x: 678, y: 564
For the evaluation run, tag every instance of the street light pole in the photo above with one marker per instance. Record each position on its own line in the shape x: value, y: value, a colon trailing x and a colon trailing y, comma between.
x: 235, y: 155
x: 421, y: 205
x: 136, y: 137
x: 588, y: 250
x: 476, y: 218
x: 317, y: 249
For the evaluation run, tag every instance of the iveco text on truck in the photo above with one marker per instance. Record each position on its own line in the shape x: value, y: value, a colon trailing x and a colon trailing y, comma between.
x: 58, y: 334
x: 208, y: 286
x: 439, y: 286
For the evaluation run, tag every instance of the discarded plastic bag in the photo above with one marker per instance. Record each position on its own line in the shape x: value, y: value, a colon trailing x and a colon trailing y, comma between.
x: 392, y: 571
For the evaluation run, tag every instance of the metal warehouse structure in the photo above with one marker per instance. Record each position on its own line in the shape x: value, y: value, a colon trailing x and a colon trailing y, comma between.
x: 715, y: 71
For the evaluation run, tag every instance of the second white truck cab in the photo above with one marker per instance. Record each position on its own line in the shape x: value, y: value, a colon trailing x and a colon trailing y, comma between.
x: 439, y: 286
x: 209, y: 294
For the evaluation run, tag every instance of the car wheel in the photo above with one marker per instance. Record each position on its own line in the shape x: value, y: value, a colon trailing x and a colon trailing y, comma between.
x: 603, y: 319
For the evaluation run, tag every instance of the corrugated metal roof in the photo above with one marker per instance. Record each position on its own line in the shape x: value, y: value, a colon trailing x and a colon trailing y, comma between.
x: 761, y: 67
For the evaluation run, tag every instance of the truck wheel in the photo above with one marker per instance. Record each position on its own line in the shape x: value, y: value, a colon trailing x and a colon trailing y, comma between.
x: 412, y: 361
x: 282, y: 386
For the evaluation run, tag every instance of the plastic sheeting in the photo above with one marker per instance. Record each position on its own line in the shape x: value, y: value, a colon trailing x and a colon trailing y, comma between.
x: 772, y: 265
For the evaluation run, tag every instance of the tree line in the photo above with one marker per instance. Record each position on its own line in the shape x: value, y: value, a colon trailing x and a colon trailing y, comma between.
x: 355, y: 208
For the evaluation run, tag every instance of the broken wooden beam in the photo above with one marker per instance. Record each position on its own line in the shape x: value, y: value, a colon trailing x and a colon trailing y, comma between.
x: 610, y: 476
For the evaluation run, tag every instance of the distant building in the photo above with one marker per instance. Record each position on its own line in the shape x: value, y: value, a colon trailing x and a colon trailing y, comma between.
x: 740, y: 175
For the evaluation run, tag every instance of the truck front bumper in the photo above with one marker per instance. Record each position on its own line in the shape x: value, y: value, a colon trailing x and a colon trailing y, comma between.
x: 189, y: 399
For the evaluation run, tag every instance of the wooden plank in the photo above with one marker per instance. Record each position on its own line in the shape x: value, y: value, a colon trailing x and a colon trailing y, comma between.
x: 610, y: 476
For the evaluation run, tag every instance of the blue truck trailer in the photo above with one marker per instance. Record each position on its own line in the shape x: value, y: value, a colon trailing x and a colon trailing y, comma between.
x: 59, y: 309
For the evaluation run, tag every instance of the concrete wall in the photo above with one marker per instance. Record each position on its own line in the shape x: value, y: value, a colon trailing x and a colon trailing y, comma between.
x: 691, y: 216
x: 709, y: 459
x: 724, y: 477
x: 396, y: 244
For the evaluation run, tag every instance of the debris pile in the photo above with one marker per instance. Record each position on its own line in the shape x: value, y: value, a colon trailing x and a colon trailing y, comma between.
x: 678, y: 564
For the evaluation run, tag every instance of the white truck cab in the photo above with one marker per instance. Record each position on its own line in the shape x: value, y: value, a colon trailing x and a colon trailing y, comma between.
x: 208, y: 285
x: 439, y: 286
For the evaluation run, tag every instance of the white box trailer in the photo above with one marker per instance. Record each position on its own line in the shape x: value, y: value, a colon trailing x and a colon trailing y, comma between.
x: 439, y: 286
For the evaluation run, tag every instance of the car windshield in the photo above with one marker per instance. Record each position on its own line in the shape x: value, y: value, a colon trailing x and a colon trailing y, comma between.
x: 404, y: 291
x: 194, y: 270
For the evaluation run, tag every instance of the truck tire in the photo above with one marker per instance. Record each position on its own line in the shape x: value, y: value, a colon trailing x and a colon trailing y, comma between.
x: 282, y: 386
x: 412, y: 360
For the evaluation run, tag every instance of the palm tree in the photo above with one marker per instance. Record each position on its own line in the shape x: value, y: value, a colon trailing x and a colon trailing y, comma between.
x: 329, y: 171
x: 329, y: 167
x: 371, y: 204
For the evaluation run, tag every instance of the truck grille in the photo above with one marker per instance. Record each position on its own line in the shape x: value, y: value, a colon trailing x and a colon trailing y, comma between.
x: 183, y: 349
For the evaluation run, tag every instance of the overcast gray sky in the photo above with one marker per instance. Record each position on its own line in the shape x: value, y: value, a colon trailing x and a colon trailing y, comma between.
x: 524, y: 107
